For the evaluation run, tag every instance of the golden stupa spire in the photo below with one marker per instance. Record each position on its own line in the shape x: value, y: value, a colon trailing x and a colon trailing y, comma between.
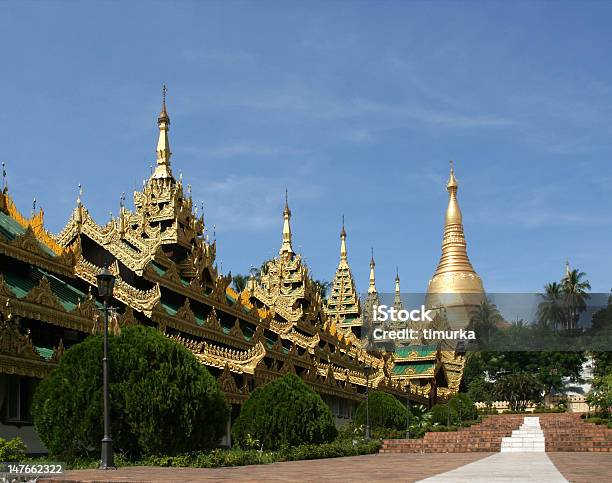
x: 343, y: 258
x: 372, y: 287
x: 286, y: 247
x: 455, y: 272
x: 162, y: 170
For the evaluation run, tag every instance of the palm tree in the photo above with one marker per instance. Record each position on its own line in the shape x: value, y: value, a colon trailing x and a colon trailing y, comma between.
x: 239, y: 282
x: 575, y: 291
x: 485, y: 320
x: 551, y: 309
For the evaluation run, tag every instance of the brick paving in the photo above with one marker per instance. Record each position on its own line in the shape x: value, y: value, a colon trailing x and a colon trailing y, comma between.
x: 370, y: 468
x: 575, y: 467
x: 583, y: 467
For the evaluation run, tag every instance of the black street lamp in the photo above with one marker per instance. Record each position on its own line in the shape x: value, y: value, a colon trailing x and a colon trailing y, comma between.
x: 106, y: 282
x: 408, y: 412
x: 367, y: 370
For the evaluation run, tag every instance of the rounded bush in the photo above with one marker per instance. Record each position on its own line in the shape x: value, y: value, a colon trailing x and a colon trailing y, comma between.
x: 284, y: 412
x: 385, y: 410
x: 163, y: 401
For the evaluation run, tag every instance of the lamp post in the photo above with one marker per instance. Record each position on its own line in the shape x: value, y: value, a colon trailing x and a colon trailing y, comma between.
x: 106, y: 282
x: 408, y: 412
x: 367, y: 369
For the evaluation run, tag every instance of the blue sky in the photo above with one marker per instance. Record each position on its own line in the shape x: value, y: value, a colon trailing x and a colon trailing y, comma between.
x: 355, y: 107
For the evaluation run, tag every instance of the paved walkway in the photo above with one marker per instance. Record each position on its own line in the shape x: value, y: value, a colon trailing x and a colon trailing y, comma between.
x: 367, y: 468
x: 504, y: 467
x: 501, y: 467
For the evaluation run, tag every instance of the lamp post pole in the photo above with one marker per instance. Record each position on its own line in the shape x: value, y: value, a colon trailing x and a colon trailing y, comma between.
x: 106, y: 282
x: 107, y: 441
x: 367, y: 428
x: 408, y: 414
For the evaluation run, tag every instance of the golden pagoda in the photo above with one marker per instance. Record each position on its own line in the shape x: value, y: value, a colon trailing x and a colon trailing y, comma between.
x: 455, y: 285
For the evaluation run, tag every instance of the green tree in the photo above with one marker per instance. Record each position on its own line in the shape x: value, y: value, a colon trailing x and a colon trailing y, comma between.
x: 323, y: 287
x: 519, y: 389
x: 284, y: 412
x: 600, y: 395
x: 481, y: 390
x: 551, y: 310
x: 239, y: 282
x: 575, y: 291
x: 485, y: 321
x: 385, y: 411
x: 163, y: 401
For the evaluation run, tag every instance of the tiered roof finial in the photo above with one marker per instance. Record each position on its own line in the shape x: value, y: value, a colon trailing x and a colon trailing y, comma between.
x: 397, y: 303
x: 162, y: 170
x: 343, y: 242
x: 372, y: 287
x: 3, y: 176
x: 286, y: 247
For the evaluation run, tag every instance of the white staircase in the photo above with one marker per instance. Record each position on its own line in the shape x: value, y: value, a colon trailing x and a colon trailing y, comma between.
x: 529, y: 437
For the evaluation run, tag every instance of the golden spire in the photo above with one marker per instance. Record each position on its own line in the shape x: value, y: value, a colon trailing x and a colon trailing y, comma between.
x: 397, y: 281
x: 286, y: 246
x: 343, y: 258
x: 162, y: 170
x: 455, y: 273
x: 372, y: 287
x: 397, y: 302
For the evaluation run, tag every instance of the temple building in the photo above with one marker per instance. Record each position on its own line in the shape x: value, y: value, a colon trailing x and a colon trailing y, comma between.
x: 167, y: 278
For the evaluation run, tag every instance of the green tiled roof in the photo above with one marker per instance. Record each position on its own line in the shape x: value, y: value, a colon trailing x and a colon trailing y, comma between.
x: 44, y: 352
x: 421, y: 350
x: 401, y: 369
x: 20, y: 285
x: 10, y: 229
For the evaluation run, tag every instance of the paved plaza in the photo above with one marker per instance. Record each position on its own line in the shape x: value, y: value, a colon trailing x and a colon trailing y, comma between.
x: 503, y: 467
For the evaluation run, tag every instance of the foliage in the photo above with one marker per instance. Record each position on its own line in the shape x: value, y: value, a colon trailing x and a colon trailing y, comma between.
x: 485, y: 321
x: 12, y: 450
x: 464, y: 407
x: 460, y: 408
x: 600, y: 395
x: 443, y: 414
x: 385, y: 411
x: 519, y: 389
x: 284, y: 412
x: 239, y: 282
x: 324, y: 287
x: 562, y: 303
x: 162, y: 399
x: 482, y: 391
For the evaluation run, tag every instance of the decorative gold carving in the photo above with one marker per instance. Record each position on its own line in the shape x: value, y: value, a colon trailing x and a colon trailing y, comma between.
x: 186, y: 313
x: 43, y: 295
x: 212, y: 320
x: 236, y: 331
x: 226, y: 381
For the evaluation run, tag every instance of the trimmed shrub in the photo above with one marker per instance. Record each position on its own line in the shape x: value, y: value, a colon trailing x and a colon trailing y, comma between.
x: 12, y: 450
x: 163, y: 401
x: 386, y: 412
x: 284, y: 412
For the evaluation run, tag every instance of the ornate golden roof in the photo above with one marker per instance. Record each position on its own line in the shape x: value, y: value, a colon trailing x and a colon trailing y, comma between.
x: 455, y: 273
x: 343, y: 302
